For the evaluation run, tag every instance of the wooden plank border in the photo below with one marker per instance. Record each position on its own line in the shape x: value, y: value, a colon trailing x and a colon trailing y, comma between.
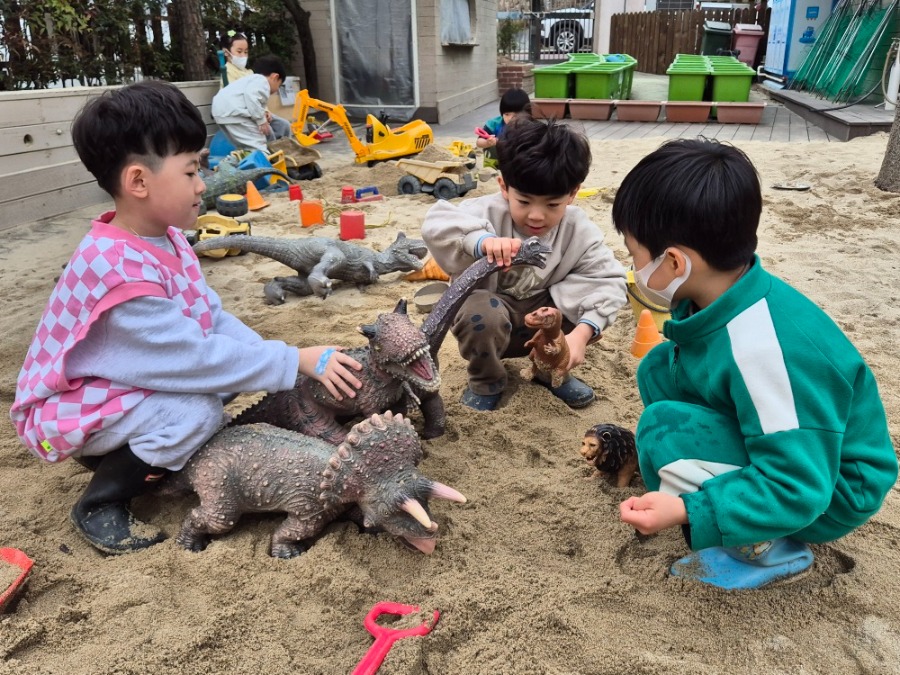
x: 40, y: 174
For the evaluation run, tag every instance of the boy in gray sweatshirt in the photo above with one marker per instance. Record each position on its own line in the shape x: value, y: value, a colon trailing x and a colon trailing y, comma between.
x: 543, y: 165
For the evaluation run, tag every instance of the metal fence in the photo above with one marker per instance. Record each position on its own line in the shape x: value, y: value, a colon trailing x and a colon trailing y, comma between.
x: 542, y: 37
x: 651, y: 37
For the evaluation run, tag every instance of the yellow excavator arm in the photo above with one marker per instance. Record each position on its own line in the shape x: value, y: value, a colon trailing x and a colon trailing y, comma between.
x: 383, y: 143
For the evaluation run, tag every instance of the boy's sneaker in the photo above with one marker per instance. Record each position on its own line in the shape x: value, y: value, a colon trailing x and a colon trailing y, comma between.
x: 481, y: 402
x: 573, y: 392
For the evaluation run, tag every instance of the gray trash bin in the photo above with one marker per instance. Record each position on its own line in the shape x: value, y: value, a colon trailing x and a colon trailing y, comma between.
x: 716, y: 38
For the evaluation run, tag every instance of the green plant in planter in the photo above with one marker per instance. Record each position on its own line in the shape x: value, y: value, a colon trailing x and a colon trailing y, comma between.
x: 508, y: 31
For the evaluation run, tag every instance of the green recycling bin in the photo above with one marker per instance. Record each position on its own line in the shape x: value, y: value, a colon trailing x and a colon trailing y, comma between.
x: 716, y: 38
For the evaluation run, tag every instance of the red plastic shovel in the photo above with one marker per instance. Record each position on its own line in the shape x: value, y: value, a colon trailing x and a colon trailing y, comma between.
x: 386, y: 637
x: 14, y: 557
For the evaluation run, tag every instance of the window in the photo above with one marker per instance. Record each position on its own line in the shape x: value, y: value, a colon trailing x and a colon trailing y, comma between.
x: 458, y: 22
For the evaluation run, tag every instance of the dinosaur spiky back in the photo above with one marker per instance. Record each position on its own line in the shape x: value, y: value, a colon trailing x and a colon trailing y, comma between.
x: 378, y: 447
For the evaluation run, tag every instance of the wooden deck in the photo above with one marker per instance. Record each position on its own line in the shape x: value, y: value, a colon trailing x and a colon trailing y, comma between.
x: 842, y: 124
x: 777, y: 124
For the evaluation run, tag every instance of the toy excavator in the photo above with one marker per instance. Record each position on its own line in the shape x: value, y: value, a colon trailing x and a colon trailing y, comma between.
x: 381, y: 142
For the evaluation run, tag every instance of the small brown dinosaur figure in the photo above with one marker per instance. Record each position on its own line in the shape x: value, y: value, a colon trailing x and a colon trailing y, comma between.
x: 611, y: 451
x: 549, y: 349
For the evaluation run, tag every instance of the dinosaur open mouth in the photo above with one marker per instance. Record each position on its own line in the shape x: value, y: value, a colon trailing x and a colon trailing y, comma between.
x: 421, y: 365
x: 420, y: 368
x: 425, y: 545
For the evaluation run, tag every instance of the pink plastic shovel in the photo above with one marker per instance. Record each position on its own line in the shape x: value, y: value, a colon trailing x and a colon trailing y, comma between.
x: 386, y: 637
x: 14, y: 557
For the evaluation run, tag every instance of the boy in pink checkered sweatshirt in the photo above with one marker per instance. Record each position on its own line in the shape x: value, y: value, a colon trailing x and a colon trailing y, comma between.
x: 134, y: 357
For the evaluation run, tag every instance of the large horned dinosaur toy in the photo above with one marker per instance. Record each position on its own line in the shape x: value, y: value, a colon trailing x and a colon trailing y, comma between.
x: 319, y: 260
x: 260, y: 469
x: 399, y: 366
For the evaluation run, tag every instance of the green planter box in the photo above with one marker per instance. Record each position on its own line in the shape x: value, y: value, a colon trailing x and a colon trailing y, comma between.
x: 731, y: 83
x: 687, y: 83
x: 690, y: 58
x: 554, y: 81
x: 609, y: 78
x: 600, y: 81
x: 628, y: 75
x: 586, y: 59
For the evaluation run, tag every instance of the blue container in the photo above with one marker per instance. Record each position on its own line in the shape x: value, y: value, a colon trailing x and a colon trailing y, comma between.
x: 219, y: 148
x: 257, y: 160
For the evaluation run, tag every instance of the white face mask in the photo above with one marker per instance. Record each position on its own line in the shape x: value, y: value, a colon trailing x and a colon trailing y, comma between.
x: 664, y: 297
x: 239, y: 61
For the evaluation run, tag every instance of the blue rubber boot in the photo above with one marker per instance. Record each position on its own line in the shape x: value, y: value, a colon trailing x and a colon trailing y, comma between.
x: 573, y: 392
x: 745, y: 567
x: 480, y: 402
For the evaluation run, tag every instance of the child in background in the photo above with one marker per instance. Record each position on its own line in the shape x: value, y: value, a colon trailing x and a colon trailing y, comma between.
x: 513, y: 102
x: 240, y: 108
x: 237, y: 53
x: 763, y: 429
x: 542, y: 167
x: 134, y: 355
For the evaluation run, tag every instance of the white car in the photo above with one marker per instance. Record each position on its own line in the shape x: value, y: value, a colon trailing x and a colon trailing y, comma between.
x: 568, y: 30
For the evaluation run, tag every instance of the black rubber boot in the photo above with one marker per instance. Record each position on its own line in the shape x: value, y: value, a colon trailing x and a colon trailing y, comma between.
x: 90, y: 463
x: 102, y: 516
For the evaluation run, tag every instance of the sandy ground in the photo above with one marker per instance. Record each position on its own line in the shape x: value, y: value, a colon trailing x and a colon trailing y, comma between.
x: 535, y: 574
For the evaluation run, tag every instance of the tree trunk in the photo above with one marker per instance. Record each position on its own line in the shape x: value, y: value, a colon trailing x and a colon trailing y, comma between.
x: 15, y: 45
x: 301, y: 19
x: 889, y: 176
x: 193, y: 39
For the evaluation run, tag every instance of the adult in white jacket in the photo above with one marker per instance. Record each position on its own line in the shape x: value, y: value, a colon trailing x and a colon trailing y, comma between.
x: 240, y: 108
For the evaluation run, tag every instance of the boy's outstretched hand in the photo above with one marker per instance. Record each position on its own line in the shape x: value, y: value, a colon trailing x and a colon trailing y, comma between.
x: 331, y: 367
x: 653, y: 512
x: 501, y: 249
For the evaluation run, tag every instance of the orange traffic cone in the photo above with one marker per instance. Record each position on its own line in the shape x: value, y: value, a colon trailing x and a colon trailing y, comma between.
x: 430, y: 270
x: 647, y: 336
x: 254, y: 199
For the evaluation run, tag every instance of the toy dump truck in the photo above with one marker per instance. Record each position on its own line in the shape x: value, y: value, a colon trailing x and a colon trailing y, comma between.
x: 445, y: 180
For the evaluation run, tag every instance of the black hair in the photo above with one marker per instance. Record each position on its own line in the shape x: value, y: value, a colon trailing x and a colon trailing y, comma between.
x: 233, y: 36
x: 514, y: 101
x: 543, y: 158
x: 268, y: 64
x: 149, y: 120
x: 696, y: 192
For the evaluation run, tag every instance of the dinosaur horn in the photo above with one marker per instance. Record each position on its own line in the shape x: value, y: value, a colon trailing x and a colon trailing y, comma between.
x: 401, y: 306
x: 441, y: 491
x: 368, y: 330
x: 415, y: 509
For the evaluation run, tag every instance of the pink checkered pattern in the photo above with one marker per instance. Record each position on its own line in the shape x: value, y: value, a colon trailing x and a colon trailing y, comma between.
x: 54, y: 416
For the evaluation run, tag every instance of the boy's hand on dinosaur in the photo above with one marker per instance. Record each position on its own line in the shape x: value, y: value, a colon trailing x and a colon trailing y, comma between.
x: 331, y: 367
x: 501, y: 249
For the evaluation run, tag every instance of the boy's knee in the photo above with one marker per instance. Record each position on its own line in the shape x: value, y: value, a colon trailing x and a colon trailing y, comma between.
x: 486, y: 317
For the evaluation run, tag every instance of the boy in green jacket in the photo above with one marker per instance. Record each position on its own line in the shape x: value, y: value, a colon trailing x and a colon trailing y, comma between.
x: 763, y: 429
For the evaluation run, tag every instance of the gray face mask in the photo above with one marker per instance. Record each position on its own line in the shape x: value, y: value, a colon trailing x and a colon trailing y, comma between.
x: 664, y: 297
x: 239, y: 61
